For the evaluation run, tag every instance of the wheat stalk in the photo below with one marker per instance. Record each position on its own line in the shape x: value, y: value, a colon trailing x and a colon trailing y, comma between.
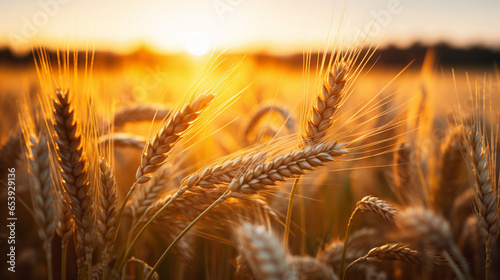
x: 74, y: 165
x: 266, y: 174
x: 64, y: 230
x: 41, y: 186
x: 156, y: 152
x: 367, y: 204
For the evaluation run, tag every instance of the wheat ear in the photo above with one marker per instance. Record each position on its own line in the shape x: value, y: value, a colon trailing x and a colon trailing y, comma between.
x: 108, y: 211
x: 289, y: 165
x: 449, y: 184
x: 9, y: 154
x: 140, y: 113
x: 332, y: 253
x: 122, y: 140
x: 222, y: 173
x: 156, y: 152
x: 424, y: 225
x: 310, y: 268
x: 263, y: 253
x: 42, y: 194
x: 328, y: 102
x: 367, y: 204
x: 389, y: 252
x: 144, y: 197
x: 485, y: 192
x: 74, y: 165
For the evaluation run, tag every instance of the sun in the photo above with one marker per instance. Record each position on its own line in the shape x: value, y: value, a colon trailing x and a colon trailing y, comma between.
x: 197, y: 43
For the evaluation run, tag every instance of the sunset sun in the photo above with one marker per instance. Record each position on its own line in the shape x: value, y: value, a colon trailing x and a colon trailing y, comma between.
x: 197, y: 44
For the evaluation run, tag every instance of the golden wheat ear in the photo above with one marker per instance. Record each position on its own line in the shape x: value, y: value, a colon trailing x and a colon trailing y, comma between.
x: 74, y: 165
x: 156, y: 151
x: 328, y: 102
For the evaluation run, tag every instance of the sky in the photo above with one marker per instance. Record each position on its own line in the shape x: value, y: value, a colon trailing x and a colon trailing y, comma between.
x: 277, y: 26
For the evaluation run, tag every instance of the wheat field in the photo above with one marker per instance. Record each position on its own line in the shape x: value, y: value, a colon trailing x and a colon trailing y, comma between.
x: 332, y: 166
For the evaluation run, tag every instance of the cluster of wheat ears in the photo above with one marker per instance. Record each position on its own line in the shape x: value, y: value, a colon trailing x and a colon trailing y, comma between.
x: 427, y: 231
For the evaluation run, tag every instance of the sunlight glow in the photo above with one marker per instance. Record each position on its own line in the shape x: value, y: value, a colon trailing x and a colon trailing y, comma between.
x: 197, y: 44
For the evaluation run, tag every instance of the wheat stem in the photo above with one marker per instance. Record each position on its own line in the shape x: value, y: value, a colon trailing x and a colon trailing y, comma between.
x: 454, y: 266
x: 164, y: 255
x: 346, y: 240
x: 130, y: 247
x: 64, y: 253
x: 289, y: 212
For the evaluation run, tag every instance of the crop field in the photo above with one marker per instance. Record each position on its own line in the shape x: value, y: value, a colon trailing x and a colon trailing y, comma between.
x: 327, y: 165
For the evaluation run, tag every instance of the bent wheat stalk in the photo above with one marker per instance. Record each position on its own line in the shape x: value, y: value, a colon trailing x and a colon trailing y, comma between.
x: 367, y: 204
x: 267, y: 174
x: 156, y: 152
x: 388, y: 252
x: 328, y: 102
